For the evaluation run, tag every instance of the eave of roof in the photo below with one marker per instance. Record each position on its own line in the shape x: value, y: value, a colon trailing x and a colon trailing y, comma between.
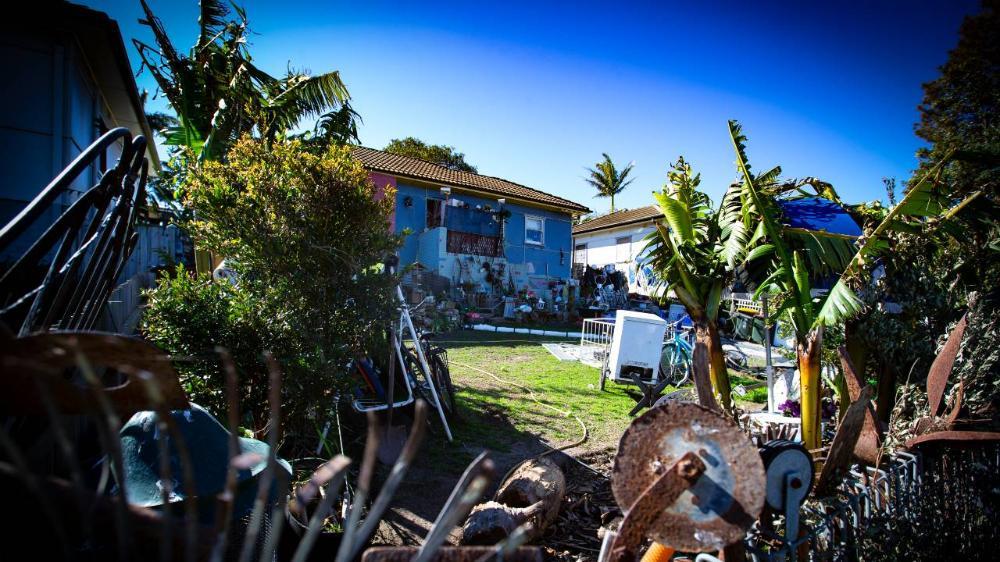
x: 76, y: 14
x: 618, y: 219
x: 420, y: 170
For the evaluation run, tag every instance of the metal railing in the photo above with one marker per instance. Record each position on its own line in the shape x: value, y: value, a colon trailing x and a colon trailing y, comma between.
x: 475, y: 244
x: 65, y: 276
x: 595, y: 343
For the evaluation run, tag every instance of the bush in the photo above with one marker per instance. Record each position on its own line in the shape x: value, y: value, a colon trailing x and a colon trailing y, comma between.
x: 306, y: 234
x: 189, y: 315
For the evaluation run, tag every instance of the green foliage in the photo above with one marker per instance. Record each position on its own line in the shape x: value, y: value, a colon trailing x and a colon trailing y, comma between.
x: 690, y: 253
x: 189, y: 316
x: 608, y: 180
x: 306, y: 234
x: 687, y: 253
x: 439, y: 154
x: 219, y: 95
x: 960, y: 110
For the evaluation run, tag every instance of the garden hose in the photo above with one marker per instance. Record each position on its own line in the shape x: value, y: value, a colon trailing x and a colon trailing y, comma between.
x: 534, y: 398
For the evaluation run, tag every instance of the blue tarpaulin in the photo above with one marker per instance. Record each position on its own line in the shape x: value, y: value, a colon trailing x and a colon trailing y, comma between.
x: 816, y: 213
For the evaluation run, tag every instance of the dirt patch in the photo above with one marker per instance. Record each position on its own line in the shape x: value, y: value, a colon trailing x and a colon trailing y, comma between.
x: 588, y: 506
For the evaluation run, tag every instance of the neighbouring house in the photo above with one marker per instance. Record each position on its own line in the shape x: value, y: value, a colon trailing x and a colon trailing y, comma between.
x: 483, y: 233
x: 67, y: 81
x: 617, y: 240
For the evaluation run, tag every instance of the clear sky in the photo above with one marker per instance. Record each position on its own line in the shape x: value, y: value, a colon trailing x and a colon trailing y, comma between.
x: 534, y: 92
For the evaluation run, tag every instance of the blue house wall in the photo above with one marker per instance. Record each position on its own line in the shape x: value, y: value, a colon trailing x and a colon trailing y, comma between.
x: 551, y: 259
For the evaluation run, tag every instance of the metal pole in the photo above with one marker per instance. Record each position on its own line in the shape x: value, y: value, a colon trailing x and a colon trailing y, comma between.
x: 768, y: 368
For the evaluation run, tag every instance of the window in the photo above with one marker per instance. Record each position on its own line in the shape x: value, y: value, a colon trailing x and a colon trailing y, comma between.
x: 534, y: 230
x: 623, y: 249
x: 435, y: 213
x: 580, y: 254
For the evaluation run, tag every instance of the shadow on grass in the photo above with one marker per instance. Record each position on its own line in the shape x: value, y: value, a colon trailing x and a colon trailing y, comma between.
x: 477, y: 338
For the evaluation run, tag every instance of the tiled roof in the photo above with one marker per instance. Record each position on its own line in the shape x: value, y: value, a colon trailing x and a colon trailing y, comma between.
x: 618, y: 218
x: 404, y: 166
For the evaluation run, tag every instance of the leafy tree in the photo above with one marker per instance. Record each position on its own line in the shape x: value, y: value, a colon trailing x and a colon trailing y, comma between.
x: 960, y: 111
x: 306, y: 234
x: 692, y: 256
x: 439, y: 154
x: 219, y: 95
x: 794, y: 259
x: 607, y: 180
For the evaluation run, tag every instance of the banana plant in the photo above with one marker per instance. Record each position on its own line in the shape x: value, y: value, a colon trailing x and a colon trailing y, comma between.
x: 219, y: 94
x: 795, y: 257
x: 693, y: 252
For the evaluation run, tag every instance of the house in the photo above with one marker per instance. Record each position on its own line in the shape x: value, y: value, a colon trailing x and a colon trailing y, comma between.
x: 617, y: 240
x: 479, y: 232
x: 67, y: 81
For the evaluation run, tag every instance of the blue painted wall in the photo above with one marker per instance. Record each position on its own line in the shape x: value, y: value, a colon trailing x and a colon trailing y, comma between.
x: 551, y: 259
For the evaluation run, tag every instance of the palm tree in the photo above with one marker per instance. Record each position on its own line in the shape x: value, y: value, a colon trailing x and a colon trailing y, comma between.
x: 794, y: 258
x: 217, y: 92
x: 692, y: 255
x: 608, y: 180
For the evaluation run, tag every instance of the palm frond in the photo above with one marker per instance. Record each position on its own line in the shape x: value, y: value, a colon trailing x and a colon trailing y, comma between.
x: 212, y: 16
x: 839, y: 305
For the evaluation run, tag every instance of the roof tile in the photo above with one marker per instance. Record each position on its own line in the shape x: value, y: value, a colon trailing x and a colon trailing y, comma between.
x: 379, y: 161
x: 618, y: 218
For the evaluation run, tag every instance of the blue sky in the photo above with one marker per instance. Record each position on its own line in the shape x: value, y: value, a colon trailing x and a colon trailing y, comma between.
x: 535, y: 92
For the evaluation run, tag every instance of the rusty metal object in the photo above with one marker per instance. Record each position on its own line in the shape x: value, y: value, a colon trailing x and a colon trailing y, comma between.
x: 644, y: 512
x: 723, y: 501
x: 937, y: 378
x: 451, y: 554
x: 844, y: 442
x: 953, y: 438
x: 956, y: 409
x: 869, y: 442
x: 45, y: 358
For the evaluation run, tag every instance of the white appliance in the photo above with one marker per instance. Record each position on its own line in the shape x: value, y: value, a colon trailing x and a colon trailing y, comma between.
x: 636, y: 346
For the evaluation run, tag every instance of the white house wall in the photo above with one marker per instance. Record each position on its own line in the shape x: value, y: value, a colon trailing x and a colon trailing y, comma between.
x: 603, y: 249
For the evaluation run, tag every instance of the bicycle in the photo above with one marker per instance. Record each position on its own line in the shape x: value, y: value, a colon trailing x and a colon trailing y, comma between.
x: 675, y: 359
x: 435, y: 388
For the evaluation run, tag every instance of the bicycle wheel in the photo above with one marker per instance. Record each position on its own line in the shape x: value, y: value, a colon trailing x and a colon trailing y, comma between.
x: 442, y: 380
x: 735, y: 358
x: 674, y: 364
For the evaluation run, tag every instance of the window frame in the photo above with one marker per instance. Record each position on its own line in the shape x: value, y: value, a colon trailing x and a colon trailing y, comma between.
x: 541, y: 222
x: 628, y: 248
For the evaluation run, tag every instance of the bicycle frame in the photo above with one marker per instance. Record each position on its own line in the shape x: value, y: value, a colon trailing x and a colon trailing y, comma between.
x: 406, y: 323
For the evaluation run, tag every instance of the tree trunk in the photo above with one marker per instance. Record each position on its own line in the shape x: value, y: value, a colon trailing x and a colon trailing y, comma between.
x: 885, y: 400
x: 718, y: 373
x: 810, y: 362
x: 701, y: 365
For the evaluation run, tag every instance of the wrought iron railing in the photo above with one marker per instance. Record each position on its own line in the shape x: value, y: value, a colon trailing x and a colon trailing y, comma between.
x: 475, y: 244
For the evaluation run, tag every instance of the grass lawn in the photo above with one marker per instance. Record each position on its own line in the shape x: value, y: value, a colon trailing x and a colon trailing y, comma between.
x: 500, y: 415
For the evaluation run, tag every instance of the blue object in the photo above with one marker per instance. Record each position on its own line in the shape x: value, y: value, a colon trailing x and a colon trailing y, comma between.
x: 817, y: 213
x: 207, y: 442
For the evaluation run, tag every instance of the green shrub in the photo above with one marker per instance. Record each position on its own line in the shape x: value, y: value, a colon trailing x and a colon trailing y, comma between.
x: 306, y: 234
x: 189, y: 315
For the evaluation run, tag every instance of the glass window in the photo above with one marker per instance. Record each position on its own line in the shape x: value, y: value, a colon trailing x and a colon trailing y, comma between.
x: 623, y: 249
x: 534, y: 230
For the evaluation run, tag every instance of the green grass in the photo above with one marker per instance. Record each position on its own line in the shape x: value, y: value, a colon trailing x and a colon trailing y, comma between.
x: 500, y: 415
